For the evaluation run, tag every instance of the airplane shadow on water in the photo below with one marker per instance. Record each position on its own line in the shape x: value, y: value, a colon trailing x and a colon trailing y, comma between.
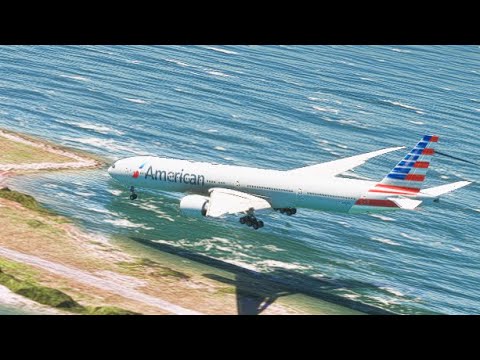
x: 256, y: 291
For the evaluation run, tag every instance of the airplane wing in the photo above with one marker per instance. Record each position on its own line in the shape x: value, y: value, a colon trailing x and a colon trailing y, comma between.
x: 336, y: 167
x: 226, y: 201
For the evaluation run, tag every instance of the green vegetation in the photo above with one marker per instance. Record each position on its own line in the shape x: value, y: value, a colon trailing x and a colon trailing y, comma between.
x: 158, y: 270
x: 55, y: 298
x: 107, y: 310
x: 27, y: 201
x: 18, y: 269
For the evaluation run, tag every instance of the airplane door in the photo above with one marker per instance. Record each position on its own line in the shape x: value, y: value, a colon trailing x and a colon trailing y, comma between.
x: 299, y: 196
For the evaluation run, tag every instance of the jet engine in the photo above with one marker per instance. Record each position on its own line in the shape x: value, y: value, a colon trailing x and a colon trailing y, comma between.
x: 194, y: 205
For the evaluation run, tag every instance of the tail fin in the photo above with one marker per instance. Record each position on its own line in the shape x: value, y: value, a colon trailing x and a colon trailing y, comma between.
x: 408, y: 175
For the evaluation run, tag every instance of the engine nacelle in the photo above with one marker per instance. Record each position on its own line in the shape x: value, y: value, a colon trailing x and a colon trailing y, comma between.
x: 194, y: 205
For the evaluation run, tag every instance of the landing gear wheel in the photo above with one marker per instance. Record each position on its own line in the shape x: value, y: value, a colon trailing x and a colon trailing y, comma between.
x: 243, y: 220
x: 260, y: 224
x: 133, y: 196
x: 294, y: 211
x: 282, y: 211
x: 288, y: 212
x: 255, y: 225
x: 248, y: 221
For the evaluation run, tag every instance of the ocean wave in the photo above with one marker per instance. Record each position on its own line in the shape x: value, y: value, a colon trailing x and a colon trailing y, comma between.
x: 177, y: 62
x: 115, y: 192
x: 401, y: 50
x: 221, y: 240
x: 111, y: 144
x: 99, y: 210
x: 152, y: 208
x: 382, y: 217
x: 318, y: 99
x: 383, y: 301
x: 272, y: 248
x: 283, y: 265
x: 393, y: 291
x: 137, y: 101
x: 126, y: 224
x: 344, y: 224
x: 84, y: 194
x: 404, y: 106
x: 102, y: 129
x: 385, y: 241
x: 416, y: 122
x: 409, y: 237
x: 223, y: 51
x: 350, y: 296
x: 217, y: 73
x: 220, y: 148
x: 323, y: 109
x: 75, y: 77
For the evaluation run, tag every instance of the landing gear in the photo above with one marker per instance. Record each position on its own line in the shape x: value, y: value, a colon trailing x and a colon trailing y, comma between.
x: 133, y: 195
x: 252, y: 221
x: 287, y: 211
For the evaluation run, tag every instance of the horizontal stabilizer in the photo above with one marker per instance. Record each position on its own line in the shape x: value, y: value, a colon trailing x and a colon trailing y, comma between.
x: 440, y: 190
x: 407, y: 204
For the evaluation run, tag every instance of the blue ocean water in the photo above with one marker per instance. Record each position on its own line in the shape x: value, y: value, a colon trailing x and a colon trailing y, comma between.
x: 274, y: 107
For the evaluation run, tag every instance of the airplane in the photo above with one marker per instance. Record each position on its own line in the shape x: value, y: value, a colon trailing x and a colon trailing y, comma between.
x: 216, y: 190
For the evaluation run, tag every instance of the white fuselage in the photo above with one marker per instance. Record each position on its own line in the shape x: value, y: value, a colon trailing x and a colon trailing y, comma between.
x: 281, y: 189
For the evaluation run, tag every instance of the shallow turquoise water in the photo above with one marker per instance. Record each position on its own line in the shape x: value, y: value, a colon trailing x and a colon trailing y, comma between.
x: 273, y: 107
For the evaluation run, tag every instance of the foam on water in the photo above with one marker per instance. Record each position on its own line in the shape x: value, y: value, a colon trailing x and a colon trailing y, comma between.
x: 137, y: 101
x: 76, y: 77
x: 385, y: 241
x: 224, y: 51
x: 382, y: 217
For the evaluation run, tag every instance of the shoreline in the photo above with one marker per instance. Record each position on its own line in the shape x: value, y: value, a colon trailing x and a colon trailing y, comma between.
x: 41, y: 249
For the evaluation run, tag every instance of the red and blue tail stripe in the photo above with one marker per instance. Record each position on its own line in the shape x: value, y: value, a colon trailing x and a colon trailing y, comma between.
x: 408, y: 175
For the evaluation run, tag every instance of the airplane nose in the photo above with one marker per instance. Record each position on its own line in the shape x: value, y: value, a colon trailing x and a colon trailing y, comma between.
x: 111, y: 169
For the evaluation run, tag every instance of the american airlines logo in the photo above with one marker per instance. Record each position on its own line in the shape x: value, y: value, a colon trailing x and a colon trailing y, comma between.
x: 136, y: 173
x: 170, y: 176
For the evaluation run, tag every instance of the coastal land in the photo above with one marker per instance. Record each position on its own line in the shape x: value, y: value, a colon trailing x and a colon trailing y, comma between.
x: 49, y: 265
